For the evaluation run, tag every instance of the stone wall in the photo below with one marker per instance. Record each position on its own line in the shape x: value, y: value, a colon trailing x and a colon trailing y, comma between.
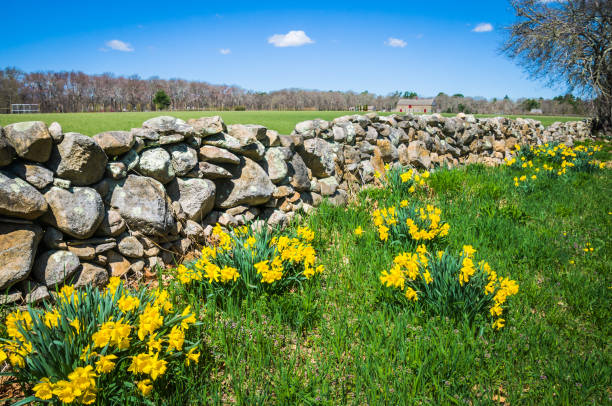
x: 79, y: 209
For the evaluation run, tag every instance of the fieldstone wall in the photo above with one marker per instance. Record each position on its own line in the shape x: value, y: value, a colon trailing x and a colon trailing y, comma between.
x: 78, y: 209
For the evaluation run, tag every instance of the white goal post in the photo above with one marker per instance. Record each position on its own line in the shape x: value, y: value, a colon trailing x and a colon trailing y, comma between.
x: 25, y: 108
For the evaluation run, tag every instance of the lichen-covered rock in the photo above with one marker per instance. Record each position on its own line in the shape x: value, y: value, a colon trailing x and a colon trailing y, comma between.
x: 250, y: 185
x: 183, y: 158
x: 168, y: 125
x: 115, y: 142
x: 298, y: 173
x: 248, y: 147
x: 35, y: 174
x: 130, y: 247
x: 31, y: 140
x: 276, y: 165
x: 196, y: 196
x: 247, y: 133
x: 20, y: 199
x: 18, y: 245
x: 157, y: 164
x: 52, y: 268
x: 77, y: 211
x: 328, y: 185
x: 209, y: 171
x: 319, y: 156
x: 143, y: 204
x: 206, y: 126
x: 130, y: 160
x: 79, y: 159
x: 214, y: 154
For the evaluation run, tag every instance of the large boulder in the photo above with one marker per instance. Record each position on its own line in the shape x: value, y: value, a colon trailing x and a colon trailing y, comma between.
x: 36, y: 175
x: 18, y: 244
x: 112, y: 224
x: 31, y: 140
x: 319, y: 156
x: 183, y: 158
x: 250, y: 186
x: 79, y: 159
x: 196, y: 196
x: 206, y: 126
x: 276, y: 165
x: 77, y: 211
x: 52, y: 268
x: 115, y: 142
x: 20, y: 199
x: 157, y: 164
x: 168, y: 125
x: 144, y: 205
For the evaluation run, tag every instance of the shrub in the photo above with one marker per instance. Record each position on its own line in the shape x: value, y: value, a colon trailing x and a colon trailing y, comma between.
x: 449, y: 285
x: 410, y: 223
x: 94, y: 346
x: 249, y: 262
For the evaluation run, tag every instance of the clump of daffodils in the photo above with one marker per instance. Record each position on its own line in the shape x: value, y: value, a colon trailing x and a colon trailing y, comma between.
x: 403, y: 180
x: 444, y: 284
x: 245, y: 261
x: 409, y: 222
x: 92, y: 346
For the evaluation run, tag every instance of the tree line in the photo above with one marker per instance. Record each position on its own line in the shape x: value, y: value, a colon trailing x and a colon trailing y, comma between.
x: 80, y: 92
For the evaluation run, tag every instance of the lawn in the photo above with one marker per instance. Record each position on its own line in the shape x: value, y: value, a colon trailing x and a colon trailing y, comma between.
x: 341, y: 338
x: 281, y: 121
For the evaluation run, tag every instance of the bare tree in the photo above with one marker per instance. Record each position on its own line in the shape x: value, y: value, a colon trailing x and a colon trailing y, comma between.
x: 570, y: 42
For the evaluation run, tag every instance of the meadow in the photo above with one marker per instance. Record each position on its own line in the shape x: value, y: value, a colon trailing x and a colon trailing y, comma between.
x: 281, y: 121
x: 341, y: 337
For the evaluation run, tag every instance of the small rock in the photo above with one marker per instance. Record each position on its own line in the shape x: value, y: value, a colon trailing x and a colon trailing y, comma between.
x: 36, y: 175
x: 112, y: 224
x: 214, y: 154
x: 77, y: 211
x: 52, y: 268
x: 118, y: 265
x: 91, y: 275
x: 84, y: 252
x: 55, y: 130
x: 183, y: 158
x: 131, y: 247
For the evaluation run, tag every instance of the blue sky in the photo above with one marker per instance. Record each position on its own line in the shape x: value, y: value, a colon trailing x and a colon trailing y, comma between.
x: 423, y: 46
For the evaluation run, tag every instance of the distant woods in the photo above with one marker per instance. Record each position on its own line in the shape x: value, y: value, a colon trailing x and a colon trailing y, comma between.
x: 80, y: 92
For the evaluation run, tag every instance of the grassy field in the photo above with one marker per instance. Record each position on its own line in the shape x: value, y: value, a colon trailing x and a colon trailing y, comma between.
x: 281, y: 121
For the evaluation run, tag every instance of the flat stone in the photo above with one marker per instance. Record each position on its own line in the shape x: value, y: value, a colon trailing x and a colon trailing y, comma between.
x: 205, y: 126
x: 168, y: 124
x: 84, y: 252
x: 170, y: 139
x: 115, y: 142
x: 91, y: 275
x: 130, y: 247
x: 18, y: 245
x: 209, y: 171
x: 36, y: 175
x: 214, y: 154
x: 55, y: 130
x: 118, y: 265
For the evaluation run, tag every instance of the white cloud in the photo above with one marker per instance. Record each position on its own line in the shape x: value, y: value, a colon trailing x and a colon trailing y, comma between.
x: 225, y: 51
x: 119, y: 45
x: 395, y: 42
x: 290, y: 39
x: 483, y: 27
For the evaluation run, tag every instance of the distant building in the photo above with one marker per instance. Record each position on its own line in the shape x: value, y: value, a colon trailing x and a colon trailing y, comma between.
x: 371, y: 108
x: 535, y: 111
x: 415, y: 106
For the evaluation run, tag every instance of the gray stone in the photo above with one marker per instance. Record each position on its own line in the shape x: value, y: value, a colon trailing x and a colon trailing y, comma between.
x: 206, y: 126
x: 130, y: 247
x: 55, y: 130
x: 183, y: 158
x: 130, y: 160
x: 18, y: 245
x: 319, y: 156
x: 276, y: 166
x: 52, y: 268
x: 91, y: 275
x: 170, y: 139
x: 196, y: 196
x: 62, y: 183
x: 144, y: 205
x: 194, y: 231
x: 116, y: 170
x: 247, y: 133
x: 209, y: 171
x: 10, y: 297
x: 34, y: 292
x: 102, y: 248
x: 79, y: 159
x: 328, y: 186
x: 36, y: 175
x: 111, y: 225
x: 250, y: 185
x: 214, y: 154
x: 31, y: 140
x: 145, y: 134
x: 117, y: 263
x: 19, y: 199
x: 156, y: 163
x: 298, y: 173
x: 85, y: 252
x: 168, y: 125
x: 248, y: 147
x: 115, y: 142
x: 76, y: 211
x: 272, y: 139
x: 7, y: 153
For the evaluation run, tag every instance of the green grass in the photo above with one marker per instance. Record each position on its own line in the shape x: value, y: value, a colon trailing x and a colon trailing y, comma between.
x: 339, y: 343
x: 281, y: 121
